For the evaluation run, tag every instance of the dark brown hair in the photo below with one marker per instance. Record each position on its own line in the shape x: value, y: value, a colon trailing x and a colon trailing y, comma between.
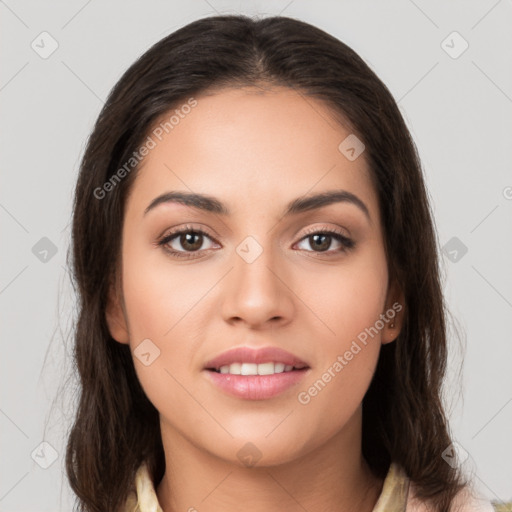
x: 116, y: 427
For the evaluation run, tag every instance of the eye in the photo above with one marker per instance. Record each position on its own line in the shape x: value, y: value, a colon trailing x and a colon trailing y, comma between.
x: 183, y: 243
x: 321, y: 240
x: 190, y: 239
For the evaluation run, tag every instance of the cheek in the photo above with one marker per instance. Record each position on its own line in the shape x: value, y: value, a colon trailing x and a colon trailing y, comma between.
x: 335, y: 389
x: 329, y: 402
x: 153, y: 307
x: 347, y: 298
x: 168, y: 305
x: 163, y: 326
x: 161, y: 297
x: 349, y: 340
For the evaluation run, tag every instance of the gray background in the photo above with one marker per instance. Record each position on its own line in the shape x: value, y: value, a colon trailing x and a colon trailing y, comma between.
x: 459, y: 113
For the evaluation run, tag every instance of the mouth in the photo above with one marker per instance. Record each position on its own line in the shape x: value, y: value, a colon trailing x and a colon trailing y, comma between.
x: 268, y: 368
x: 252, y: 374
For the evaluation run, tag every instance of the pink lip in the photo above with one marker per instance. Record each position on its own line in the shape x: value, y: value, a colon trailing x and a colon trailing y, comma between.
x: 249, y: 355
x: 255, y: 387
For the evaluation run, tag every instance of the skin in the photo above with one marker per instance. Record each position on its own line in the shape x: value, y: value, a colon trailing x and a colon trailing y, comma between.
x: 255, y: 151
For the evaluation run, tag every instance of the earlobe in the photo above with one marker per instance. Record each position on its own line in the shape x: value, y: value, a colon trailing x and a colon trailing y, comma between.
x: 115, y: 317
x: 394, y: 313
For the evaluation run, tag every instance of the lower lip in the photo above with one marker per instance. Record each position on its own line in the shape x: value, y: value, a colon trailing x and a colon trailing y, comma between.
x: 256, y: 387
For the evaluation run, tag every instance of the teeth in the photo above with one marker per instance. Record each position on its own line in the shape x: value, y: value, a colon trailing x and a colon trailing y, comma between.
x: 234, y: 369
x: 249, y: 369
x: 255, y: 369
x: 265, y: 368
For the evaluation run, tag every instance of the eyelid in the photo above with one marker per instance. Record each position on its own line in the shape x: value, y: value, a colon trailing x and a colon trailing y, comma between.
x: 325, y: 228
x: 345, y: 240
x: 185, y: 228
x: 164, y: 239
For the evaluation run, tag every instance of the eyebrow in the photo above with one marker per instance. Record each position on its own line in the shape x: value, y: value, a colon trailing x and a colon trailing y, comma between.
x: 301, y: 204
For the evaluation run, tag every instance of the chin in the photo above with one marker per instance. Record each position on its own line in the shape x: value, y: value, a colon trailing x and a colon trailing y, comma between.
x: 258, y: 451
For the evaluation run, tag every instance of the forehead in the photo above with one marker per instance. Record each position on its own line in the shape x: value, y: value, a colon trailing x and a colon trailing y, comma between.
x: 251, y: 145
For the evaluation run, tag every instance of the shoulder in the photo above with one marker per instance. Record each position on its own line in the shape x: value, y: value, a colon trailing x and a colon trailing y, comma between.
x: 465, y: 501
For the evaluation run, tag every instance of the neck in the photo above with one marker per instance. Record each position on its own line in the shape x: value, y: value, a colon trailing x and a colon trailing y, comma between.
x: 333, y: 476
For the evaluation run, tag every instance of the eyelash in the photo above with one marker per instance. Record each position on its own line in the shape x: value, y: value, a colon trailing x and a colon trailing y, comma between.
x: 347, y: 243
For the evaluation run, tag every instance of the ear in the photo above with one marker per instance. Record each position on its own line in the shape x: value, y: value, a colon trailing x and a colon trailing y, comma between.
x: 394, y: 313
x: 115, y: 315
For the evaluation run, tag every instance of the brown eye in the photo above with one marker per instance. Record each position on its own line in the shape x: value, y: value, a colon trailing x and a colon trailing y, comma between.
x: 321, y: 241
x: 191, y: 241
x: 185, y: 243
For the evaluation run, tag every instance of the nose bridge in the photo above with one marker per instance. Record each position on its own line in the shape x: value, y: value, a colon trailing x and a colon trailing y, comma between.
x: 256, y: 292
x: 253, y: 262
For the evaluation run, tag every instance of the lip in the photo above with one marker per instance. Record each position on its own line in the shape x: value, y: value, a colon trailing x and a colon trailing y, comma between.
x: 255, y: 387
x: 250, y: 355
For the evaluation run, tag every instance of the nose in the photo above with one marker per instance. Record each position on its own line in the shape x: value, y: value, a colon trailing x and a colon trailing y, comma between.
x: 258, y: 293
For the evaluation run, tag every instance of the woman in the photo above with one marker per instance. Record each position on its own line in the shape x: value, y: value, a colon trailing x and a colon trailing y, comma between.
x: 261, y: 319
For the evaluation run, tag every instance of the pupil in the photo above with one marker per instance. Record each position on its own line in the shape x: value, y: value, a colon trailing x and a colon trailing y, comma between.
x: 186, y: 241
x: 322, y: 246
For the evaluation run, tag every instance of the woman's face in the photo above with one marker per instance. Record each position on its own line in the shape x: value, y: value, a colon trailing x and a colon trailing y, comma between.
x: 257, y: 278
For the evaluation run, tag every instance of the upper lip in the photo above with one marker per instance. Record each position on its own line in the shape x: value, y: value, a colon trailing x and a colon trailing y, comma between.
x: 250, y: 355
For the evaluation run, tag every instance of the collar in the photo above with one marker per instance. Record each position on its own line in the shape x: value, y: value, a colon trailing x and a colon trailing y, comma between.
x: 393, y: 497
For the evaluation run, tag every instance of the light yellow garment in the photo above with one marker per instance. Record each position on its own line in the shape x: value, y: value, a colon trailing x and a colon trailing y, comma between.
x: 394, y: 497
